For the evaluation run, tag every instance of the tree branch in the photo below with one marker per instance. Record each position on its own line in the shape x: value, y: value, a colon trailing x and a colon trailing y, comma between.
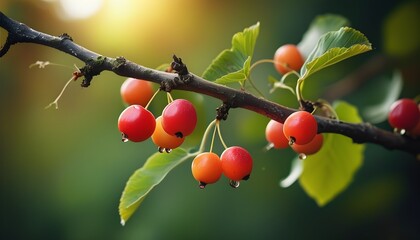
x: 232, y: 98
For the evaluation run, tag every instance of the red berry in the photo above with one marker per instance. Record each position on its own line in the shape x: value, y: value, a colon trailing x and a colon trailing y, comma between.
x: 236, y: 163
x: 136, y: 91
x: 300, y: 127
x: 310, y: 148
x: 163, y: 140
x: 179, y: 118
x: 136, y: 123
x: 275, y: 136
x: 415, y: 132
x: 404, y: 114
x: 288, y: 58
x: 206, y: 168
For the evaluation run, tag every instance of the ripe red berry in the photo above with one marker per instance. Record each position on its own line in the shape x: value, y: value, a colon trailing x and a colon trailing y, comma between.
x: 300, y: 127
x: 288, y: 58
x: 310, y: 148
x: 415, y: 132
x: 136, y: 91
x: 206, y: 168
x: 179, y: 118
x: 404, y: 114
x: 163, y: 140
x: 275, y: 136
x: 236, y: 163
x: 136, y: 123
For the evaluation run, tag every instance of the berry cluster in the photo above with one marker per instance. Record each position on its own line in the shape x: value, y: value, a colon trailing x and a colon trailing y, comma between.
x: 404, y: 116
x: 168, y: 131
x: 299, y: 131
x: 137, y: 124
x: 235, y: 163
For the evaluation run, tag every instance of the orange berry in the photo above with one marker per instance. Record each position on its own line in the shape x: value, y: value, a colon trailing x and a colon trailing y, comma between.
x: 288, y: 58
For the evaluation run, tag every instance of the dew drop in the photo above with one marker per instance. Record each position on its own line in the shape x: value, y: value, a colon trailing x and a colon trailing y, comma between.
x: 124, y: 137
x: 269, y: 146
x: 234, y: 184
x: 202, y: 185
x: 246, y: 177
x: 168, y: 150
x: 161, y: 149
x: 400, y: 131
x: 302, y: 156
x: 292, y: 141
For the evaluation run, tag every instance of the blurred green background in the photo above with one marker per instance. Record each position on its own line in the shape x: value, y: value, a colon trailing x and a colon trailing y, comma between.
x: 63, y: 171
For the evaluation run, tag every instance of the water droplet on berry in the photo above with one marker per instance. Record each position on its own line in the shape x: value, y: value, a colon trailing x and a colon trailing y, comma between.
x: 124, y: 137
x: 269, y: 146
x: 400, y: 131
x: 161, y: 149
x: 234, y: 184
x: 168, y: 150
x: 246, y: 177
x: 302, y: 156
x: 179, y: 135
x: 202, y: 185
x: 292, y: 141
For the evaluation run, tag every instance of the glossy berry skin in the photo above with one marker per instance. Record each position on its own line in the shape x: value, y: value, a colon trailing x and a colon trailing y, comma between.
x: 287, y: 58
x: 179, y: 118
x: 136, y: 123
x: 310, y: 148
x: 136, y: 91
x: 404, y: 114
x: 300, y: 127
x: 206, y: 168
x: 236, y: 163
x: 162, y: 139
x: 275, y: 136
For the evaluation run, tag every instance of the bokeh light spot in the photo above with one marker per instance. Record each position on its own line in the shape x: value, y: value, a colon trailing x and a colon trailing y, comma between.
x: 80, y: 9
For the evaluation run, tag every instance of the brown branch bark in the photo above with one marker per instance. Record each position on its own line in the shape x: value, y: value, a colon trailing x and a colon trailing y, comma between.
x: 96, y: 63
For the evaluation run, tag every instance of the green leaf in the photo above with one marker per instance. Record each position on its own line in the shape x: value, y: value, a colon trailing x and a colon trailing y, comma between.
x: 233, y: 65
x: 329, y: 172
x: 334, y: 47
x: 238, y: 76
x: 388, y: 89
x: 295, y: 172
x: 146, y: 178
x: 319, y: 26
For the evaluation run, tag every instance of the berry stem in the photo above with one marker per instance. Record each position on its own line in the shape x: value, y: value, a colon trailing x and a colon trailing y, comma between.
x: 151, y: 99
x: 220, y: 134
x: 259, y: 62
x: 169, y: 96
x: 212, y: 138
x: 255, y: 87
x: 205, y: 135
x: 322, y: 104
x: 55, y: 102
x: 299, y: 90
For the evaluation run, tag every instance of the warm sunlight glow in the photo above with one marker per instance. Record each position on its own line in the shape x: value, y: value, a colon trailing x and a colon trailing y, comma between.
x: 125, y: 22
x: 80, y: 9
